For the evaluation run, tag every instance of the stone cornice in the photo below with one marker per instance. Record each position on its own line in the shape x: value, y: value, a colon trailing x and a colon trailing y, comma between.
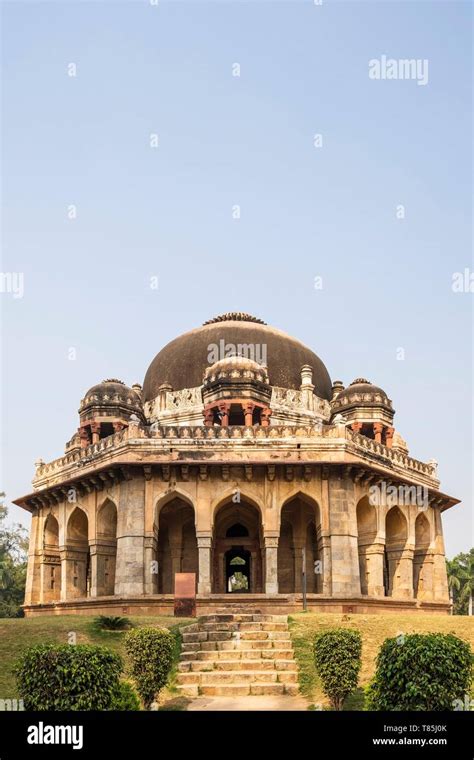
x: 101, y: 464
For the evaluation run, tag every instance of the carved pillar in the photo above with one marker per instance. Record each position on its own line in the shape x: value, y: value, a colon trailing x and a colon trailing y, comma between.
x: 356, y: 427
x: 118, y: 426
x: 400, y: 561
x: 389, y: 431
x: 32, y: 574
x: 248, y: 413
x: 204, y: 543
x: 84, y: 436
x: 208, y: 417
x: 224, y: 410
x: 378, y: 427
x: 271, y: 564
x: 298, y: 566
x: 326, y: 565
x: 95, y: 430
x: 373, y: 580
x: 265, y: 415
x: 151, y: 564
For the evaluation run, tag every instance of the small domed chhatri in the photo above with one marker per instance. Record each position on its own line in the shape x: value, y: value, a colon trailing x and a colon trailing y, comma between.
x: 238, y: 452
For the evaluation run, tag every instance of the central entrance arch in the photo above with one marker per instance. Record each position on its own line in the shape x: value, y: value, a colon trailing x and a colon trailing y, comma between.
x: 237, y: 564
x: 237, y: 550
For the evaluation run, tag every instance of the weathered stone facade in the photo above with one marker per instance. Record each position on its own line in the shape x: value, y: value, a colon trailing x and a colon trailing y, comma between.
x: 244, y: 483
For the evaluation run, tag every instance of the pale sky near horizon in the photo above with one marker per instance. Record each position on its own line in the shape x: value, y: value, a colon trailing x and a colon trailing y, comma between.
x: 248, y: 140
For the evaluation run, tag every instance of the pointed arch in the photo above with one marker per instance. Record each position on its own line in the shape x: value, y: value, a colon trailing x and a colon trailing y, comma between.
x: 51, y: 563
x: 78, y: 554
x: 396, y: 534
x: 366, y: 534
x: 300, y: 543
x: 422, y: 567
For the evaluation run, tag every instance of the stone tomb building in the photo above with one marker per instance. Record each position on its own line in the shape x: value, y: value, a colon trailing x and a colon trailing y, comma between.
x: 241, y: 462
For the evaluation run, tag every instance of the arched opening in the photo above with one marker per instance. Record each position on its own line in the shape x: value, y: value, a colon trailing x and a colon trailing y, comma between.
x: 237, y: 571
x: 78, y: 574
x: 396, y: 533
x: 106, y: 549
x: 366, y: 533
x: 421, y: 571
x: 299, y: 547
x: 237, y: 550
x: 177, y: 544
x: 51, y: 564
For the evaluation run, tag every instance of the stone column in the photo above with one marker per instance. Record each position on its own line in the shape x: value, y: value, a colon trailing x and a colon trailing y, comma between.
x: 378, y: 427
x: 356, y: 427
x: 95, y: 430
x: 298, y: 566
x: 326, y: 565
x: 84, y: 436
x: 129, y: 577
x: 400, y: 562
x: 440, y: 577
x: 32, y: 589
x: 94, y: 590
x: 343, y: 528
x: 271, y: 564
x: 204, y: 542
x: 208, y: 417
x: 151, y: 564
x: 248, y: 413
x: 374, y: 555
x: 118, y: 426
x: 224, y: 410
x: 389, y: 436
x: 265, y: 415
x: 423, y: 563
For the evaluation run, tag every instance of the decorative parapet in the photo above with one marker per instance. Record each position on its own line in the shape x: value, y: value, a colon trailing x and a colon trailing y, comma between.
x: 342, y: 443
x: 188, y: 398
x: 289, y: 400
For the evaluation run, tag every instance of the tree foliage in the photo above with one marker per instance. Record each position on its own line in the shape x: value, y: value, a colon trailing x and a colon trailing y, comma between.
x: 13, y: 555
x: 461, y: 582
x: 151, y: 655
x: 421, y: 672
x: 337, y: 655
x: 65, y: 677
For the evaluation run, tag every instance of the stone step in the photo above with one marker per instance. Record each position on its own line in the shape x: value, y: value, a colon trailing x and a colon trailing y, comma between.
x: 239, y: 654
x: 230, y: 676
x: 242, y: 618
x: 238, y: 690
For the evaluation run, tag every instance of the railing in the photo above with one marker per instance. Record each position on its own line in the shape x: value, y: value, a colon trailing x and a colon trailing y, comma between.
x: 82, y: 457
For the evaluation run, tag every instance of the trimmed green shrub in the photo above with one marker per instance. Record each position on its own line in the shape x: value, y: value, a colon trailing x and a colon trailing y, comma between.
x: 337, y: 656
x: 421, y: 671
x: 65, y: 677
x: 112, y: 623
x: 125, y: 698
x: 151, y: 655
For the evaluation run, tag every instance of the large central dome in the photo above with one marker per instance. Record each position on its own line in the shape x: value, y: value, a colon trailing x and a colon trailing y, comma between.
x: 183, y: 362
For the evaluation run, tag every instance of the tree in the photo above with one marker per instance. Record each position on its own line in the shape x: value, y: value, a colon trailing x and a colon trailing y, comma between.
x: 13, y: 554
x: 461, y: 582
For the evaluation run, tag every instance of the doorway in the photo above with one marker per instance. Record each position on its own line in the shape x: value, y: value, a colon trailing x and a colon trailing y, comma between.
x: 237, y: 570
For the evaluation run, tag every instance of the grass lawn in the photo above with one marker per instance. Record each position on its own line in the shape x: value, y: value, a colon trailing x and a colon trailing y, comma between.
x: 16, y: 634
x: 374, y: 629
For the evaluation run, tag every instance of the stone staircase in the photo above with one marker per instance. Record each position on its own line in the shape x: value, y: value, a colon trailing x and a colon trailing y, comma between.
x: 237, y: 654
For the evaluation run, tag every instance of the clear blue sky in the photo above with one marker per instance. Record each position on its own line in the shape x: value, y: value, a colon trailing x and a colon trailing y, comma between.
x: 247, y: 140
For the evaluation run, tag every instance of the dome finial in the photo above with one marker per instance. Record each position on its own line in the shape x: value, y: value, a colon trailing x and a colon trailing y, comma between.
x: 234, y: 316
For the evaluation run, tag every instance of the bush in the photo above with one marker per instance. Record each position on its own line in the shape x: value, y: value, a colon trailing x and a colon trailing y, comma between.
x: 151, y: 654
x: 337, y: 655
x: 112, y: 623
x: 421, y: 672
x: 125, y: 698
x: 65, y: 677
